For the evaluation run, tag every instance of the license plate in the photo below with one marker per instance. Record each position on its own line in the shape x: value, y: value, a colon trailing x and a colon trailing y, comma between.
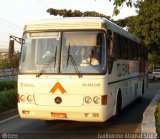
x: 59, y: 115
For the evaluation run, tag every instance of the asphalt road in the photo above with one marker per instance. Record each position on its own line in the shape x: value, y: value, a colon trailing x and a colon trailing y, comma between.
x: 128, y: 122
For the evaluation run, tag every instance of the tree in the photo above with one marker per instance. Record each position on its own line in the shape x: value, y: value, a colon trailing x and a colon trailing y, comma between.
x: 154, y: 60
x: 4, y: 63
x: 119, y: 3
x: 122, y: 22
x: 146, y: 24
x: 75, y: 13
x: 14, y: 61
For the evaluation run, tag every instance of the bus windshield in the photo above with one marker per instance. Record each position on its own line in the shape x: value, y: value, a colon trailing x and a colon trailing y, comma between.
x: 76, y: 52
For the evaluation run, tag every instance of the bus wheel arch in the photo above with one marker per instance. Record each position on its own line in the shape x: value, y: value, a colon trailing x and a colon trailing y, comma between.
x: 143, y: 88
x: 118, y: 107
x: 142, y: 92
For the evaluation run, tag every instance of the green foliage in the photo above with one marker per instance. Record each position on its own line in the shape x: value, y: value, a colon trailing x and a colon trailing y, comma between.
x: 154, y: 59
x: 146, y: 25
x: 14, y: 61
x: 8, y: 84
x: 157, y: 115
x: 75, y: 13
x: 4, y: 63
x: 119, y: 3
x: 10, y: 63
x: 8, y: 100
x: 122, y: 22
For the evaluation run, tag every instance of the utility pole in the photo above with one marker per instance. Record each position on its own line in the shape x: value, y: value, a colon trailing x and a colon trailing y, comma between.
x: 11, y: 45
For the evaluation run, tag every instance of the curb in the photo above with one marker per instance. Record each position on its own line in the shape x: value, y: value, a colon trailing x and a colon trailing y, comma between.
x: 8, y: 119
x: 8, y: 114
x: 148, y: 125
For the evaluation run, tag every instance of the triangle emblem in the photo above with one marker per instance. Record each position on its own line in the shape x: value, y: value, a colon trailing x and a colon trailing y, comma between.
x: 57, y: 86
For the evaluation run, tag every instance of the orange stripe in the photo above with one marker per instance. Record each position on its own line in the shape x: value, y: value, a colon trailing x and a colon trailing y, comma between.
x: 58, y: 86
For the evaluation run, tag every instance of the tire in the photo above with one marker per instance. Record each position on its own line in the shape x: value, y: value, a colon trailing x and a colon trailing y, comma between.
x: 140, y: 100
x: 49, y: 121
x: 153, y: 78
x: 118, y: 105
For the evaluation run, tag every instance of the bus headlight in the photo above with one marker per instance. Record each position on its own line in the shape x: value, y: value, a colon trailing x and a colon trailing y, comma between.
x: 23, y: 98
x: 88, y: 100
x: 30, y: 98
x: 26, y: 98
x: 96, y: 100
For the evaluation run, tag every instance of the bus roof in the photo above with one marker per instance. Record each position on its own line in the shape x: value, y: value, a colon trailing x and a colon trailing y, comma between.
x: 78, y: 23
x: 66, y: 23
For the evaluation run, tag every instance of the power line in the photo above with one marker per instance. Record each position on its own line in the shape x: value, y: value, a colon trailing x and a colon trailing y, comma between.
x: 3, y: 42
x: 42, y: 3
x: 4, y: 25
x: 10, y: 23
x: 7, y: 34
x: 9, y: 26
x: 9, y: 30
x: 3, y: 45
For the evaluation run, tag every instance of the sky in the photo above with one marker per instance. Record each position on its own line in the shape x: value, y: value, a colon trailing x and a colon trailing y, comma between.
x: 14, y: 14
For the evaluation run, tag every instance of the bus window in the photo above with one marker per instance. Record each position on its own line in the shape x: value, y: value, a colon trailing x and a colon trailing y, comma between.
x: 84, y: 51
x: 134, y: 48
x: 37, y: 52
x: 124, y: 48
x: 116, y: 45
x: 146, y: 54
x: 111, y: 51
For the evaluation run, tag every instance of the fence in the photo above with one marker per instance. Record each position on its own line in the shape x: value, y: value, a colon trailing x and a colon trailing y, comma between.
x: 7, y: 73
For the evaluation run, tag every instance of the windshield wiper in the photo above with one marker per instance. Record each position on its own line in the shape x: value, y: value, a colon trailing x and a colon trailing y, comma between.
x: 73, y: 62
x: 48, y: 63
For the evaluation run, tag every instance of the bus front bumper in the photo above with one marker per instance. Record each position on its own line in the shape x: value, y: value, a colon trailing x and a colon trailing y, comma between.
x: 83, y: 113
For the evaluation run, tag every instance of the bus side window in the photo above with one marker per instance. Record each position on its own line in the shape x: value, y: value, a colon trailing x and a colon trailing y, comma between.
x: 141, y: 47
x: 124, y: 47
x: 129, y: 49
x: 110, y: 51
x: 110, y: 45
x: 145, y: 53
x: 116, y: 46
x: 135, y: 46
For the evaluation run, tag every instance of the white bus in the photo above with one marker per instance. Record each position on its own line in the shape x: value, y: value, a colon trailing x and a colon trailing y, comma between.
x: 81, y: 69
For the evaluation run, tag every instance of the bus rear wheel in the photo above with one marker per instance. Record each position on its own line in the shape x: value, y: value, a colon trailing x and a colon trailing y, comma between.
x: 142, y: 94
x: 118, y: 106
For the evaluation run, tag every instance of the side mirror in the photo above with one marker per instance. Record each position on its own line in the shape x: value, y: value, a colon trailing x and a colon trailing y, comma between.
x: 11, y: 49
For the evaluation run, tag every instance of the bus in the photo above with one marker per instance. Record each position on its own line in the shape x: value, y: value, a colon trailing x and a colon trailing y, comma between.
x: 79, y: 69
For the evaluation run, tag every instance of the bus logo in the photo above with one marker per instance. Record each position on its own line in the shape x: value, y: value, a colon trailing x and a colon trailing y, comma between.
x: 57, y: 86
x: 58, y: 100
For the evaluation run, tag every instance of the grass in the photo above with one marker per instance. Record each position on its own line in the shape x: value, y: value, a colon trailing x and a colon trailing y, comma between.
x: 157, y: 115
x: 8, y: 100
x: 8, y: 84
x: 8, y: 95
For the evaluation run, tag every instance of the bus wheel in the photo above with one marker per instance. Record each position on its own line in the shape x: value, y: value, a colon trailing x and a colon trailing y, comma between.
x: 118, y: 105
x: 142, y: 94
x: 49, y: 121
